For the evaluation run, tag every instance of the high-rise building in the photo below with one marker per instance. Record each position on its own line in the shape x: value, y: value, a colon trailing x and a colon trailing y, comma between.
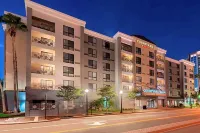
x: 58, y: 50
x: 195, y: 58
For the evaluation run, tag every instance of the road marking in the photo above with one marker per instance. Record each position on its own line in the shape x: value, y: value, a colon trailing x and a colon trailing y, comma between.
x: 122, y: 123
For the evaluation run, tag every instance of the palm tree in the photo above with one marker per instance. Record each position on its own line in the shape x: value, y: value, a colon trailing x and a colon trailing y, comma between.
x: 14, y: 24
x: 2, y: 95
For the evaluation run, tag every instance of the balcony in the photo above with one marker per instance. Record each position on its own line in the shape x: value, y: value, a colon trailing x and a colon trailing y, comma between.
x: 126, y: 80
x: 43, y: 72
x: 127, y: 70
x: 160, y: 75
x: 44, y: 87
x: 43, y: 56
x: 41, y: 69
x: 126, y: 58
x: 160, y: 59
x: 160, y: 67
x: 43, y: 41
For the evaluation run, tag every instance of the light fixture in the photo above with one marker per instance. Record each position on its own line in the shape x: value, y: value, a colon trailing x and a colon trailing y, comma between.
x: 121, y: 92
x: 86, y: 90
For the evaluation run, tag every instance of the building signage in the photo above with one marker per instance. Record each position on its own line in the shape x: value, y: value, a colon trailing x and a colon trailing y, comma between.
x: 154, y: 91
x: 145, y: 44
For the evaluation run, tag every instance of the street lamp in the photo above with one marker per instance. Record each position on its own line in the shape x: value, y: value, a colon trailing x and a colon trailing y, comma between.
x: 121, y: 92
x: 86, y: 92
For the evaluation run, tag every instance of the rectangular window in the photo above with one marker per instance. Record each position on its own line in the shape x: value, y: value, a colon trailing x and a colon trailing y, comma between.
x: 43, y: 24
x: 68, y: 83
x: 191, y: 76
x: 185, y: 80
x: 151, y: 72
x: 170, y: 77
x: 92, y: 75
x: 170, y: 84
x: 151, y: 55
x: 106, y: 66
x: 46, y: 84
x: 92, y: 64
x: 138, y: 70
x: 92, y: 41
x: 68, y: 58
x: 138, y: 79
x: 151, y: 64
x: 92, y: 87
x: 67, y: 44
x: 177, y: 65
x: 185, y: 73
x: 178, y: 72
x: 138, y: 60
x: 185, y: 67
x: 170, y: 71
x: 68, y: 31
x: 106, y: 45
x: 170, y: 64
x: 178, y: 79
x: 106, y: 56
x: 138, y: 51
x: 151, y: 81
x: 126, y: 47
x: 178, y: 86
x: 185, y: 86
x: 92, y: 52
x: 126, y: 88
x: 68, y: 71
x: 106, y: 77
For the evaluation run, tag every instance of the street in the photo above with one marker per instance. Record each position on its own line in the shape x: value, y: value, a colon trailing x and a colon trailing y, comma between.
x: 126, y: 123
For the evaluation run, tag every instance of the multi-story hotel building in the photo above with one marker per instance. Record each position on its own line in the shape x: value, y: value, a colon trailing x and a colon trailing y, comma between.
x: 58, y: 50
x: 195, y: 58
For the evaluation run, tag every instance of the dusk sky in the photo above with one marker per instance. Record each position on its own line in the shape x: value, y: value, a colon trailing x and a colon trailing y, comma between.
x: 173, y: 25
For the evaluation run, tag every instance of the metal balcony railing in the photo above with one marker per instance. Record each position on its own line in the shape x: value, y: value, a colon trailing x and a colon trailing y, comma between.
x: 43, y: 72
x: 127, y: 70
x: 42, y: 56
x: 160, y: 59
x: 39, y: 86
x: 44, y: 41
x: 126, y: 59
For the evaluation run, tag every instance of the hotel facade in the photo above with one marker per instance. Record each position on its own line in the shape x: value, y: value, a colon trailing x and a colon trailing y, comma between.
x: 59, y: 50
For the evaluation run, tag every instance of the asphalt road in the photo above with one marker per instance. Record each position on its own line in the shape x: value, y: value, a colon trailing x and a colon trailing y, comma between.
x: 106, y: 124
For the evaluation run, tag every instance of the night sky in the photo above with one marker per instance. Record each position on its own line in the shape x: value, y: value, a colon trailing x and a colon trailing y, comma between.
x: 172, y: 24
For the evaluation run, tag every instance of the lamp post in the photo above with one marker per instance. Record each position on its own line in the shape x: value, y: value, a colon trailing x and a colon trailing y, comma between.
x: 86, y: 92
x: 121, y: 92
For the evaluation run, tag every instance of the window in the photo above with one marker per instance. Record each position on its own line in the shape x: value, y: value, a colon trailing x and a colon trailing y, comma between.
x: 106, y: 66
x: 185, y: 86
x: 185, y: 67
x: 170, y: 77
x: 106, y: 56
x: 151, y: 55
x: 68, y: 31
x: 126, y: 88
x: 139, y: 88
x: 178, y: 79
x: 106, y: 77
x: 177, y: 65
x: 138, y: 51
x: 179, y: 93
x: 92, y: 64
x: 92, y: 41
x: 170, y: 71
x: 138, y: 60
x: 170, y: 84
x: 46, y: 84
x: 191, y: 76
x: 138, y: 70
x: 68, y: 83
x: 151, y: 64
x: 178, y: 86
x: 43, y: 24
x: 185, y: 80
x: 67, y: 44
x: 151, y: 81
x: 138, y: 79
x: 126, y: 47
x: 92, y: 86
x: 106, y: 45
x: 68, y: 71
x: 92, y: 75
x: 178, y: 72
x: 151, y: 72
x: 186, y: 74
x: 92, y: 52
x: 170, y: 64
x: 68, y: 58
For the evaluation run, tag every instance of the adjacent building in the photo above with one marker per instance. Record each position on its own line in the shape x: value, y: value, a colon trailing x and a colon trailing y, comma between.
x: 59, y: 50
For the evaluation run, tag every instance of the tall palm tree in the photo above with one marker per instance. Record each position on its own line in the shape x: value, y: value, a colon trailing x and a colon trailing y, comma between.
x: 2, y: 95
x: 14, y: 24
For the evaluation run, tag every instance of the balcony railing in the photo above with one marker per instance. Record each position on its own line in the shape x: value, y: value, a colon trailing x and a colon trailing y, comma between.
x: 48, y: 57
x: 160, y: 68
x: 43, y: 72
x: 127, y: 80
x: 160, y: 59
x: 44, y: 41
x: 127, y: 70
x: 45, y: 87
x: 126, y: 59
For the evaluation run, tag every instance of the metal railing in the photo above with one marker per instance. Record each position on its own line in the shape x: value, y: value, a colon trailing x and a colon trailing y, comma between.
x: 42, y: 56
x: 160, y: 59
x: 127, y: 59
x: 127, y: 70
x: 42, y: 40
x: 44, y: 87
x: 43, y: 72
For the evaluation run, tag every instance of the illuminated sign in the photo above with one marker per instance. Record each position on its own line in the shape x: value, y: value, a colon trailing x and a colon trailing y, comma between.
x: 154, y: 91
x: 145, y: 44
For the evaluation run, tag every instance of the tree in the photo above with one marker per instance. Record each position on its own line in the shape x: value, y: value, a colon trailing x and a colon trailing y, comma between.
x: 132, y: 95
x: 69, y: 93
x: 107, y: 93
x: 2, y: 95
x: 14, y: 24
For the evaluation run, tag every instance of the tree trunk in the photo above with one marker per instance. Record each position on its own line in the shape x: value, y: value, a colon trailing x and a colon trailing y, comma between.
x: 3, y: 99
x: 17, y: 89
x: 14, y: 75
